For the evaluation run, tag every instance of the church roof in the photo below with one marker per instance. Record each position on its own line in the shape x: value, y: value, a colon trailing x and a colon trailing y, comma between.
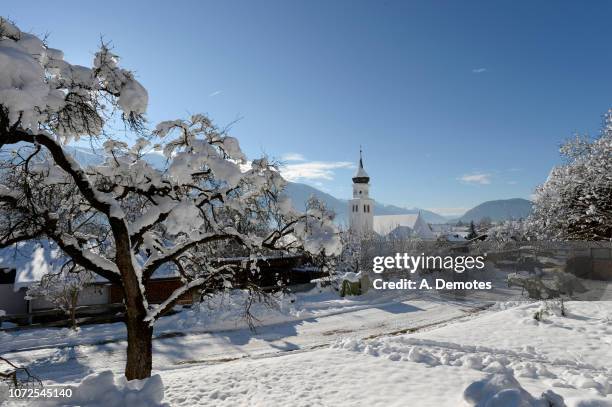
x: 385, y: 224
x: 361, y: 176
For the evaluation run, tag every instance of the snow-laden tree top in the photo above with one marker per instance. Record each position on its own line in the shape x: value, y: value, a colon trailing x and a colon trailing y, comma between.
x: 40, y: 90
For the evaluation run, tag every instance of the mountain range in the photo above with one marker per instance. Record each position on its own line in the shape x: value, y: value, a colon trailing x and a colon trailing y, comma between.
x: 502, y: 209
x: 299, y: 193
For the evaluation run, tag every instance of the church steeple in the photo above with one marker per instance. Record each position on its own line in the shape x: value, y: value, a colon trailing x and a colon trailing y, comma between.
x: 361, y: 176
x: 361, y: 207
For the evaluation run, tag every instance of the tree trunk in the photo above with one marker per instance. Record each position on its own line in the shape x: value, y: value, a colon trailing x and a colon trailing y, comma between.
x: 139, y: 332
x: 139, y: 351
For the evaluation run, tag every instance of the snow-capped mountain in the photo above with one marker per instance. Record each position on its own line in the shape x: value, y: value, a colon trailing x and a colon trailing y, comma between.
x: 499, y: 210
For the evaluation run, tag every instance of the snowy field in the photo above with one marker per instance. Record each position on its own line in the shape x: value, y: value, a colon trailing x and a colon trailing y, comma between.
x: 316, y: 349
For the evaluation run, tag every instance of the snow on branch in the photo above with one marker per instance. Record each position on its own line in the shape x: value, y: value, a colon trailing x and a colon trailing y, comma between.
x: 165, y: 256
x: 39, y: 89
x: 102, y: 202
x: 165, y: 306
x: 87, y: 258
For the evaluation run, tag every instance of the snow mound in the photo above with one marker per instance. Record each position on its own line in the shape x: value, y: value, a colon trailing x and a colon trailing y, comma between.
x: 503, y: 390
x: 102, y: 390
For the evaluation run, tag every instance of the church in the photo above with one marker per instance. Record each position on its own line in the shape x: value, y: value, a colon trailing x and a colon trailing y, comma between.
x: 363, y: 222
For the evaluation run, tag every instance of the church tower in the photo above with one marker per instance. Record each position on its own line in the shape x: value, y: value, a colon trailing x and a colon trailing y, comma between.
x: 361, y: 207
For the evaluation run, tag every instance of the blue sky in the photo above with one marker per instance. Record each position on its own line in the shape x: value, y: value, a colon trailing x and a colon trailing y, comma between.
x: 454, y: 103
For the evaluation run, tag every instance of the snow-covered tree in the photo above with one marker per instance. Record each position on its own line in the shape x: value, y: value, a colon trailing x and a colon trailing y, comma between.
x: 509, y: 231
x: 63, y: 289
x: 123, y: 219
x: 575, y: 202
x: 350, y: 258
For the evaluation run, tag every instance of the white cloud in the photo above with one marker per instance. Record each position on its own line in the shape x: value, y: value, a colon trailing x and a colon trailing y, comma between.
x: 313, y: 170
x: 293, y: 157
x: 479, y: 70
x: 476, y: 178
x: 215, y: 93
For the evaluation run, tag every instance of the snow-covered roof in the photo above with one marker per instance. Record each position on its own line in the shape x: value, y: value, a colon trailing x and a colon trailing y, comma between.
x: 361, y: 173
x: 361, y: 176
x: 385, y: 224
x: 31, y: 260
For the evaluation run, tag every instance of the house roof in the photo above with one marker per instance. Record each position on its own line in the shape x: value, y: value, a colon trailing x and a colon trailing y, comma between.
x: 33, y: 259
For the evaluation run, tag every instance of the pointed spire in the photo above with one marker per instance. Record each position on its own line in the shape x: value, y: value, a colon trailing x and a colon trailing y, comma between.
x: 360, y: 157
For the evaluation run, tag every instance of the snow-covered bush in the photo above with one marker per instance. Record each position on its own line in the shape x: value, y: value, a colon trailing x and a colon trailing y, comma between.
x: 62, y: 289
x: 509, y: 231
x: 555, y: 307
x: 575, y: 202
x: 124, y: 219
x: 350, y: 257
x: 540, y: 282
x: 345, y: 276
x: 503, y: 390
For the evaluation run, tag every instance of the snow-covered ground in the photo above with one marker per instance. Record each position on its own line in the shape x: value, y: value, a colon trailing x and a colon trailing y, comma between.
x: 370, y: 350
